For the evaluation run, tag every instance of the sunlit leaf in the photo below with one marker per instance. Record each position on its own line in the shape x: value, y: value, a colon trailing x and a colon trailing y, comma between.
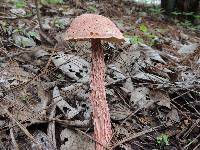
x: 143, y: 28
x: 136, y: 40
x: 163, y: 139
x: 20, y: 3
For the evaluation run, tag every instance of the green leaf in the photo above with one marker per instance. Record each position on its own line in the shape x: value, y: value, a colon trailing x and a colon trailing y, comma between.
x: 60, y: 77
x: 163, y: 139
x: 143, y: 28
x: 92, y: 9
x: 20, y: 3
x: 175, y: 13
x: 156, y: 10
x: 136, y: 40
x: 166, y: 139
x: 197, y: 16
x: 186, y: 23
x: 60, y: 23
x: 46, y: 2
x: 17, y: 30
x: 24, y: 98
x: 188, y: 13
x: 34, y: 34
x: 55, y: 1
x: 24, y: 41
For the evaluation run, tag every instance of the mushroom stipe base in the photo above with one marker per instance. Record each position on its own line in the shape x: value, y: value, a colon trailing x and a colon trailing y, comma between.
x: 101, y: 116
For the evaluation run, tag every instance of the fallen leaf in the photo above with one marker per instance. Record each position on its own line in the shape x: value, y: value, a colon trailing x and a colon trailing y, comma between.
x: 75, y: 141
x: 73, y: 66
x: 140, y: 97
x: 119, y: 112
x: 161, y: 98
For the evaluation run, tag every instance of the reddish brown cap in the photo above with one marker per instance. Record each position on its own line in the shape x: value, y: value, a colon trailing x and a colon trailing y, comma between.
x: 92, y: 26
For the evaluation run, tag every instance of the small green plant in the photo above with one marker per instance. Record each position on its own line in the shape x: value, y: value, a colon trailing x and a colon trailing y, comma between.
x: 24, y: 98
x: 162, y: 140
x: 46, y: 2
x: 186, y: 24
x: 189, y: 140
x: 187, y: 19
x: 135, y: 40
x: 59, y: 23
x: 147, y: 34
x: 60, y: 77
x: 175, y: 13
x: 19, y: 30
x: 92, y: 9
x: 197, y: 16
x: 156, y: 11
x: 143, y: 28
x: 197, y: 27
x: 20, y: 3
x: 34, y: 35
x: 188, y: 13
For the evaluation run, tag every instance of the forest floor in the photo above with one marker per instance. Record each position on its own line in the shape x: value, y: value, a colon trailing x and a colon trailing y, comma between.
x: 152, y: 79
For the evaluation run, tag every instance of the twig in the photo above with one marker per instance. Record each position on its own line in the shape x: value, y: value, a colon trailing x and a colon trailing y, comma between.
x: 19, y: 124
x: 136, y: 135
x: 51, y: 126
x: 191, y: 128
x: 42, y: 33
x: 128, y: 117
x: 74, y: 123
x: 93, y: 139
x: 15, y: 145
x: 38, y: 15
x: 14, y: 18
x: 197, y: 147
x: 196, y: 138
x: 52, y: 104
x: 37, y: 76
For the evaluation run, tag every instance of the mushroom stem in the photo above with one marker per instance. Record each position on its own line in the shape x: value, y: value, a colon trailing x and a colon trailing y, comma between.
x: 101, y: 116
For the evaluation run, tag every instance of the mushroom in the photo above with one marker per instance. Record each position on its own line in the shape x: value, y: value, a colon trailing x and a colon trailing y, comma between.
x: 96, y: 28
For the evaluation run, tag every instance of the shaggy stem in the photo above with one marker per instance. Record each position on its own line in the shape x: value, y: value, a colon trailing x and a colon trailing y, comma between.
x: 101, y: 116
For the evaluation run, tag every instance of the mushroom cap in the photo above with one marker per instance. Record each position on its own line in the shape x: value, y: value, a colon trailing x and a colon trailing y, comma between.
x: 92, y: 26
